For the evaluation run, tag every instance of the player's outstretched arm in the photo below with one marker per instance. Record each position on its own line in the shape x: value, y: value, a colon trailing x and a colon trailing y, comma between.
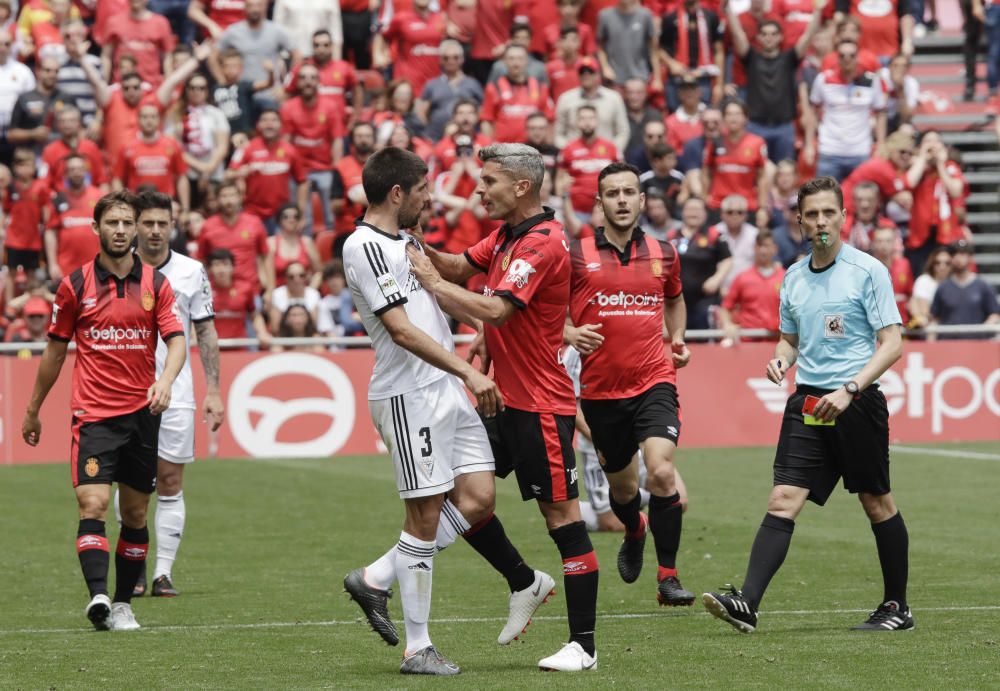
x: 208, y: 348
x: 452, y: 267
x: 488, y: 308
x: 48, y: 372
x: 408, y: 336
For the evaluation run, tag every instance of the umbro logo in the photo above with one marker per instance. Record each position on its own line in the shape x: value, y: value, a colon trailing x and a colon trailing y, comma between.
x: 419, y: 566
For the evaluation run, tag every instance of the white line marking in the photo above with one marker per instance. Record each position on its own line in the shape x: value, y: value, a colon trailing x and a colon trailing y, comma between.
x: 480, y: 620
x: 948, y: 453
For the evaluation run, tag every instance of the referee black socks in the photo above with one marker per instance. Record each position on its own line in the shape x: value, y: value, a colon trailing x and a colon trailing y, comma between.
x: 580, y: 574
x: 893, y: 543
x: 665, y: 520
x: 628, y: 513
x: 92, y: 550
x: 768, y: 553
x: 489, y: 539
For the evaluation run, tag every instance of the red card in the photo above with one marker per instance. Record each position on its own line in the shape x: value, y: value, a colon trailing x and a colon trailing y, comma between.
x: 810, y: 405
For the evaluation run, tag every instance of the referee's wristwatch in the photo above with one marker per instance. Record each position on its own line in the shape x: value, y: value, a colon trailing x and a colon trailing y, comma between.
x: 853, y: 388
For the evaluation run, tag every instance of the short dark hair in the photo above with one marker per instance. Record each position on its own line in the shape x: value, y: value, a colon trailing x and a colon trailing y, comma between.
x: 230, y: 53
x: 75, y: 154
x: 464, y: 102
x: 518, y: 27
x: 616, y: 167
x: 817, y: 185
x: 661, y: 149
x: 264, y: 111
x: 130, y: 76
x: 152, y: 199
x: 770, y: 22
x: 735, y: 102
x: 119, y: 198
x: 359, y: 124
x: 567, y: 30
x: 334, y: 267
x: 388, y: 168
x: 763, y: 235
x: 586, y: 106
x: 322, y: 32
x: 288, y: 206
x: 226, y: 184
x: 220, y: 255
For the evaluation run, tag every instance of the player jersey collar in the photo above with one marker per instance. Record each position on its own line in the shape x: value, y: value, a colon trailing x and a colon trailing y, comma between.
x: 103, y: 274
x: 378, y: 230
x: 602, y: 242
x: 528, y: 223
x: 170, y: 255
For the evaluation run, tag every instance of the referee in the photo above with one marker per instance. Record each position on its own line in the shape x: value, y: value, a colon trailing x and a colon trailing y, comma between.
x: 840, y: 322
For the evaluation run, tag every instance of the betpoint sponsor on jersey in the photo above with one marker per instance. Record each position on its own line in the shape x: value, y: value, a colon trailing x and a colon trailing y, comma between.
x: 118, y: 337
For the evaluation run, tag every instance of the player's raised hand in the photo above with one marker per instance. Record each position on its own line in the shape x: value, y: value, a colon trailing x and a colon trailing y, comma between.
x: 585, y: 338
x: 478, y: 349
x: 213, y: 410
x: 422, y: 269
x: 776, y: 371
x: 158, y: 397
x: 680, y: 354
x: 488, y: 398
x: 31, y: 429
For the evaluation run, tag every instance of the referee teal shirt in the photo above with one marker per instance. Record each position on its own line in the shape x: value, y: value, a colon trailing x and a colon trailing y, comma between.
x: 836, y: 312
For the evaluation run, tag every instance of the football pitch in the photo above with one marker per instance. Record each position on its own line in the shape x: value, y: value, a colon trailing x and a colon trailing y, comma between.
x: 268, y: 543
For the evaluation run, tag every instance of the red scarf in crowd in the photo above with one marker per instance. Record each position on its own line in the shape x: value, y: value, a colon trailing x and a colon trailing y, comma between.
x: 683, y: 49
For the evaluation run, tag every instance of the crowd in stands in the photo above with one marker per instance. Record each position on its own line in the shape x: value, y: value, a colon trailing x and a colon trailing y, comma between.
x: 258, y: 117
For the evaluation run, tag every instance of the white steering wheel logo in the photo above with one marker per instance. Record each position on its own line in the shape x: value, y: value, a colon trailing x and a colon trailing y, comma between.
x: 262, y: 439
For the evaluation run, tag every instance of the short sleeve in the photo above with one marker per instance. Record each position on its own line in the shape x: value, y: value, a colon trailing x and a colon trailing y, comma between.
x: 816, y: 92
x: 201, y: 301
x: 531, y: 262
x: 63, y: 312
x: 488, y: 112
x: 481, y: 254
x: 261, y: 242
x: 789, y: 325
x: 672, y: 287
x: 167, y: 323
x: 373, y: 277
x: 990, y: 305
x: 880, y: 300
x: 733, y: 295
x: 880, y: 96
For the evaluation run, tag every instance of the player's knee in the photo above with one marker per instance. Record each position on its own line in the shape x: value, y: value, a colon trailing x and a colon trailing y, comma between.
x: 168, y: 485
x: 134, y: 516
x: 785, y: 502
x: 477, y: 505
x: 624, y: 489
x: 878, y: 507
x: 92, y: 506
x: 660, y: 479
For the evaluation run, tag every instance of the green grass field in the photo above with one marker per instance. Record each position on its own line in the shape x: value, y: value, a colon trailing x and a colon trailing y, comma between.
x: 268, y: 543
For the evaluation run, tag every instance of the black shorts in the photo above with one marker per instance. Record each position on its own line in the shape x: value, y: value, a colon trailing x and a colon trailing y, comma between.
x: 619, y: 425
x: 117, y: 449
x: 29, y: 259
x: 856, y: 448
x: 538, y: 447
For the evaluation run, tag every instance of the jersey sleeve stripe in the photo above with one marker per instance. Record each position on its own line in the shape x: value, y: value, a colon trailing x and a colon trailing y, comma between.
x: 392, y: 303
x: 468, y: 258
x: 516, y: 301
x: 77, y: 281
x: 201, y: 320
x: 172, y: 334
x: 57, y: 337
x: 373, y: 259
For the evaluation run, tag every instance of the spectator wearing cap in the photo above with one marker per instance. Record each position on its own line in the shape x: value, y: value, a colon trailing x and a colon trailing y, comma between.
x: 692, y: 37
x: 612, y: 118
x: 440, y: 95
x: 640, y: 113
x: 936, y: 270
x: 883, y: 247
x: 772, y: 90
x: 684, y: 124
x: 964, y: 298
x: 520, y: 35
x: 939, y: 192
x: 663, y: 178
x: 626, y: 39
x: 848, y: 99
x: 509, y: 101
x: 562, y: 68
x: 34, y: 325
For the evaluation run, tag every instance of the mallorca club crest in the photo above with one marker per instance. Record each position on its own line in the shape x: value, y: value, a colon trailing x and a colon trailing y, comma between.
x: 505, y: 262
x: 148, y: 301
x: 657, y: 266
x: 91, y: 468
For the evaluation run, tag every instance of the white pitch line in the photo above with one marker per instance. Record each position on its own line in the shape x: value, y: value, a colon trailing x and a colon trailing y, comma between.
x: 481, y: 620
x: 948, y: 453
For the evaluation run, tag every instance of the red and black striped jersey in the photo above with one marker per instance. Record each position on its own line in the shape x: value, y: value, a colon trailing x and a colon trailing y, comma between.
x: 115, y: 322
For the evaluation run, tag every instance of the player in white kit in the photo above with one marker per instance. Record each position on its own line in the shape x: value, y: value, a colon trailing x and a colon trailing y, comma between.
x: 443, y: 461
x: 193, y: 295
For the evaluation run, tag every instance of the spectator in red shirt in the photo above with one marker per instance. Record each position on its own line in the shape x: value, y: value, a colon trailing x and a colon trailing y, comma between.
x: 349, y: 200
x: 511, y: 99
x: 883, y: 248
x: 562, y: 69
x: 70, y: 241
x: 242, y: 234
x: 569, y: 20
x: 409, y: 45
x: 71, y: 141
x: 684, y: 124
x: 754, y: 296
x: 737, y: 163
x: 265, y: 168
x: 34, y: 326
x: 888, y: 174
x: 215, y: 16
x: 235, y: 303
x: 494, y: 18
x: 338, y: 81
x: 888, y: 25
x: 939, y: 192
x: 26, y: 205
x: 314, y: 128
x: 143, y: 34
x: 848, y: 28
x: 582, y: 161
x: 153, y: 159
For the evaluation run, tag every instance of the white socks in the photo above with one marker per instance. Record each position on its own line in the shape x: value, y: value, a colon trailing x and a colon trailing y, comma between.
x: 414, y: 568
x: 381, y: 573
x: 170, y: 515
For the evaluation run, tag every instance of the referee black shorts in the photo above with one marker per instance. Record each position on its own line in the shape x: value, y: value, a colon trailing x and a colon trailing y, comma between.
x: 120, y: 449
x: 856, y: 448
x: 619, y: 425
x: 538, y: 447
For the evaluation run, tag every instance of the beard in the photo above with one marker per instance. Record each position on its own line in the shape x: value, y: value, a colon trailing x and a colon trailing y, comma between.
x: 107, y: 248
x: 587, y: 134
x: 363, y: 149
x: 409, y: 218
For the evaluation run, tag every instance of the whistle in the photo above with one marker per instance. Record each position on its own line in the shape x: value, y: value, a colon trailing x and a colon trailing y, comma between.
x: 825, y: 239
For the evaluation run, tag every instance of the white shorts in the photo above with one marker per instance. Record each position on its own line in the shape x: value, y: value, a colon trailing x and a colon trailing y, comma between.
x: 596, y: 482
x: 433, y: 434
x: 177, y: 435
